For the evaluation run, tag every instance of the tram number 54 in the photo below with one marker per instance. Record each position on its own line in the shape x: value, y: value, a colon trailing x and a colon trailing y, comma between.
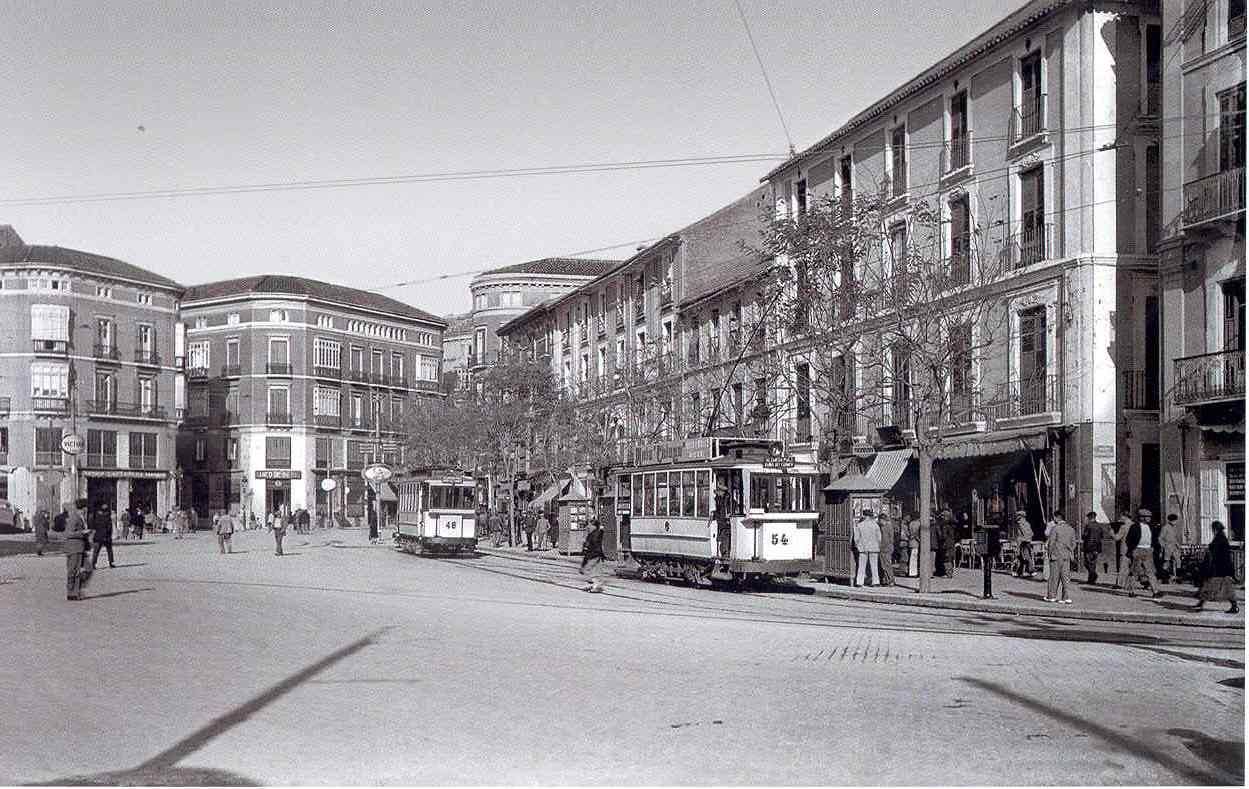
x: 780, y: 539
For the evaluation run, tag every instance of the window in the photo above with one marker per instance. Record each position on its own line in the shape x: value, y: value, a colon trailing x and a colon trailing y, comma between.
x: 325, y: 321
x: 800, y: 197
x: 198, y: 354
x: 1234, y: 316
x: 147, y: 394
x: 232, y: 453
x: 1033, y: 362
x: 4, y: 449
x: 737, y: 402
x: 105, y: 389
x: 661, y: 494
x: 47, y: 446
x: 197, y: 403
x: 279, y: 401
x: 379, y: 362
x: 200, y: 450
x: 143, y: 450
x: 396, y: 366
x: 49, y: 379
x: 146, y: 340
x: 357, y: 359
x: 960, y: 134
x: 1032, y: 197
x: 323, y: 453
x: 960, y: 371
x: 479, y: 344
x: 1235, y: 18
x: 620, y: 353
x: 601, y: 371
x: 201, y: 323
x: 427, y: 368
x: 897, y: 248
x: 357, y: 410
x: 103, y: 292
x: 760, y: 413
x: 900, y: 399
x: 277, y: 452
x: 232, y: 354
x: 278, y: 316
x: 49, y: 322
x: 1232, y: 126
x: 702, y: 505
x: 101, y: 448
x: 279, y: 354
x: 326, y: 402
x: 143, y: 298
x: 802, y: 374
x: 232, y: 404
x: 327, y: 354
x: 960, y: 242
x: 479, y: 301
x: 232, y: 319
x: 1031, y: 99
x: 845, y: 168
x: 897, y: 158
x: 1153, y: 69
x: 105, y: 339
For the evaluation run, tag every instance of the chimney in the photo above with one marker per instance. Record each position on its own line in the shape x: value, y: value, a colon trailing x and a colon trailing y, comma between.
x: 9, y: 237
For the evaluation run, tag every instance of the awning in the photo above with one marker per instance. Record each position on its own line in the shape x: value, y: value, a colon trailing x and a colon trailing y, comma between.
x: 1239, y: 427
x: 1000, y: 443
x: 388, y: 492
x: 547, y: 495
x: 886, y: 470
x: 575, y: 491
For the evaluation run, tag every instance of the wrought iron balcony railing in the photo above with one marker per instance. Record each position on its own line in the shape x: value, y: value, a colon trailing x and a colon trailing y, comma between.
x: 197, y: 373
x: 105, y: 353
x: 956, y: 153
x: 50, y: 405
x: 1210, y: 377
x: 278, y: 417
x: 1140, y: 390
x: 147, y: 357
x: 325, y: 371
x: 50, y: 347
x: 1033, y: 395
x: 1215, y: 197
x: 278, y: 368
x: 328, y: 420
x: 1031, y: 244
x: 231, y: 371
x: 5, y: 404
x: 1028, y: 119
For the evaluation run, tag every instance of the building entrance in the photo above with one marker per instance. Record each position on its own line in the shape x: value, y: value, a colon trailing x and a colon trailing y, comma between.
x: 277, y: 495
x: 101, y: 491
x: 143, y: 495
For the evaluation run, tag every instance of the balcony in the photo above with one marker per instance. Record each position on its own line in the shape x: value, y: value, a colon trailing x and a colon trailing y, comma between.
x: 1210, y: 378
x: 118, y: 409
x: 958, y: 266
x: 620, y: 317
x: 1028, y: 119
x: 1032, y: 244
x: 143, y: 461
x: 358, y: 376
x: 1215, y: 198
x: 583, y: 334
x: 399, y: 380
x: 956, y: 155
x: 278, y: 418
x: 147, y: 357
x: 5, y: 404
x: 106, y: 353
x: 665, y: 293
x: 1031, y: 402
x: 231, y: 371
x: 50, y: 347
x: 379, y: 379
x: 639, y: 308
x: 278, y: 368
x: 195, y: 420
x: 325, y: 371
x: 334, y: 421
x: 101, y: 407
x: 713, y: 349
x: 600, y: 325
x: 692, y: 356
x: 1140, y: 390
x: 50, y: 457
x: 197, y: 373
x: 423, y: 385
x: 50, y: 405
x: 99, y: 460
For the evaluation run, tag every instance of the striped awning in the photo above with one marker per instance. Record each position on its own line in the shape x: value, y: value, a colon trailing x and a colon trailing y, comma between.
x: 550, y: 493
x: 999, y: 443
x: 887, y: 468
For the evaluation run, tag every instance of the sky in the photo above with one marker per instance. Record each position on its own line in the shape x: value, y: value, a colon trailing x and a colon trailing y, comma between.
x: 122, y: 97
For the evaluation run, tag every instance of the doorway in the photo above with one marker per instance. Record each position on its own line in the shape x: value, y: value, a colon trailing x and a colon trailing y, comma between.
x: 143, y: 494
x: 101, y: 491
x: 1151, y: 479
x: 277, y: 495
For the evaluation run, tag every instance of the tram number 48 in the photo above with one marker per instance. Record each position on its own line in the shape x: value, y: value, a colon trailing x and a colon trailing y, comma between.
x: 780, y: 539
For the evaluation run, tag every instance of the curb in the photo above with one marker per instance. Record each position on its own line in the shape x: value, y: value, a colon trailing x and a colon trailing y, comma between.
x: 915, y: 600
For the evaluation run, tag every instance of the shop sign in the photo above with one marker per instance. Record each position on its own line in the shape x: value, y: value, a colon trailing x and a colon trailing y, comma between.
x: 328, y: 484
x: 675, y: 451
x: 1235, y: 481
x: 1104, y: 450
x: 73, y: 444
x: 279, y: 473
x: 121, y: 473
x: 780, y: 461
x: 377, y: 473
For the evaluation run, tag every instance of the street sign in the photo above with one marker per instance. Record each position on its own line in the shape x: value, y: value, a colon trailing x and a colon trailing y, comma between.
x: 72, y: 444
x: 780, y: 462
x: 328, y: 484
x: 279, y: 473
x: 377, y: 473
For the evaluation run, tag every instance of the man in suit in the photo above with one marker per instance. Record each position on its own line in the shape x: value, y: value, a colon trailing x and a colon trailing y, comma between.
x: 1141, y: 538
x: 102, y: 534
x: 1060, y: 547
x: 77, y: 536
x: 1094, y: 535
x: 866, y: 533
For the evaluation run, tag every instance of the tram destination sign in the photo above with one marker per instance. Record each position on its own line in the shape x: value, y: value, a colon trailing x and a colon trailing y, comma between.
x: 674, y: 451
x: 780, y: 461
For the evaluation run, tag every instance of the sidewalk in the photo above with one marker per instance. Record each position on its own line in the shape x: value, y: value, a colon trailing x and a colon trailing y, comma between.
x: 1014, y: 596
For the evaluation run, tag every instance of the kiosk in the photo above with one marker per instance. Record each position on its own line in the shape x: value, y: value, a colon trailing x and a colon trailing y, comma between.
x: 574, y: 518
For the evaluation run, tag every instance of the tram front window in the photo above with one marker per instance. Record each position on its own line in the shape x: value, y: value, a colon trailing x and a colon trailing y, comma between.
x: 445, y: 497
x: 772, y: 492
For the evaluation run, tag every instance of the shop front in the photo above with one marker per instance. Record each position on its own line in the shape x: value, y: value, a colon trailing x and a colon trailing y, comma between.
x: 890, y: 485
x: 278, y: 484
x: 987, y: 479
x: 124, y: 489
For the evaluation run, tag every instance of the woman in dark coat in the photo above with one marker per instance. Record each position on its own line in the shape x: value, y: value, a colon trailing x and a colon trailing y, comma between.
x: 1219, y: 575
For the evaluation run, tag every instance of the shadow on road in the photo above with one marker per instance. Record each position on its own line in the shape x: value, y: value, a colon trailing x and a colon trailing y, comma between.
x: 132, y: 564
x: 118, y: 594
x: 162, y: 769
x: 1228, y: 758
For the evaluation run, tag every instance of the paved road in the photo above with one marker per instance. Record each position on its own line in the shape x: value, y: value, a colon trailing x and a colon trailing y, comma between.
x: 346, y: 663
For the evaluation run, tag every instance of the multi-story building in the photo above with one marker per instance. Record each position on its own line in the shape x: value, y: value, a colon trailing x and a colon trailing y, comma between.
x: 86, y: 349
x: 457, y: 352
x: 291, y: 383
x: 1203, y: 264
x: 504, y: 293
x: 1036, y: 146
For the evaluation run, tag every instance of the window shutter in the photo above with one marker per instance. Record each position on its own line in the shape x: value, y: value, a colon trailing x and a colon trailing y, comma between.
x: 1211, y: 482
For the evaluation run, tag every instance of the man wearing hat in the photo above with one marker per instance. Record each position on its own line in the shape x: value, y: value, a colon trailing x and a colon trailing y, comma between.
x: 866, y: 534
x: 1140, y: 543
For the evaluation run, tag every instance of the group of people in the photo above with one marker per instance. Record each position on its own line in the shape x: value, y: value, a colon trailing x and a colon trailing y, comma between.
x: 535, y: 525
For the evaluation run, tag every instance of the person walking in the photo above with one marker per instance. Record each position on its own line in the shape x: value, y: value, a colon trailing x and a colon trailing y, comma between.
x: 1119, y: 531
x: 305, y: 520
x: 1140, y: 543
x: 77, y: 536
x: 1023, y: 538
x: 1091, y: 544
x: 1169, y: 559
x: 223, y: 525
x: 42, y: 521
x: 496, y: 527
x: 904, y: 545
x: 149, y: 520
x: 866, y: 534
x: 530, y: 525
x: 592, y: 556
x: 988, y: 548
x: 102, y: 534
x: 949, y: 541
x: 1218, y: 573
x: 887, y: 539
x: 542, y: 532
x: 279, y: 523
x: 1060, y: 546
x: 912, y: 565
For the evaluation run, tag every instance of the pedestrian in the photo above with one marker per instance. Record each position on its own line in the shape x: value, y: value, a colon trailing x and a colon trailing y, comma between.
x: 1091, y: 544
x: 1023, y: 537
x: 1060, y: 546
x: 305, y: 520
x: 949, y: 541
x: 904, y: 545
x: 887, y: 539
x: 496, y: 527
x: 102, y: 534
x: 1169, y: 558
x: 1119, y: 531
x: 150, y: 521
x: 223, y: 525
x: 866, y: 535
x: 42, y: 521
x: 936, y: 558
x: 913, y: 535
x: 529, y: 526
x: 989, y: 548
x: 278, y: 523
x: 120, y: 524
x: 542, y: 531
x: 77, y: 536
x: 61, y: 519
x: 1218, y: 573
x: 592, y: 556
x: 136, y: 522
x: 1140, y: 543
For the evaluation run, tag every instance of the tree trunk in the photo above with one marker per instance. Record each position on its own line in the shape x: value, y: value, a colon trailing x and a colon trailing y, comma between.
x: 925, y: 518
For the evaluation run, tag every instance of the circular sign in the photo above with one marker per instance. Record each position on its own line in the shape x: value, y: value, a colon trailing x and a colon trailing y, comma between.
x: 72, y: 444
x: 328, y: 484
x: 377, y: 473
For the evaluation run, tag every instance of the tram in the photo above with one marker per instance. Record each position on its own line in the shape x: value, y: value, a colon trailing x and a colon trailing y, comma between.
x: 437, y: 514
x: 719, y: 509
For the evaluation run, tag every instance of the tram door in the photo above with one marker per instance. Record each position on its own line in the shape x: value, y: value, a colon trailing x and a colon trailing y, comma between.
x: 833, y: 546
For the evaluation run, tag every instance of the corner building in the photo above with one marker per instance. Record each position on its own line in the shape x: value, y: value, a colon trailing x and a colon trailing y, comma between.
x: 86, y: 348
x: 291, y: 382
